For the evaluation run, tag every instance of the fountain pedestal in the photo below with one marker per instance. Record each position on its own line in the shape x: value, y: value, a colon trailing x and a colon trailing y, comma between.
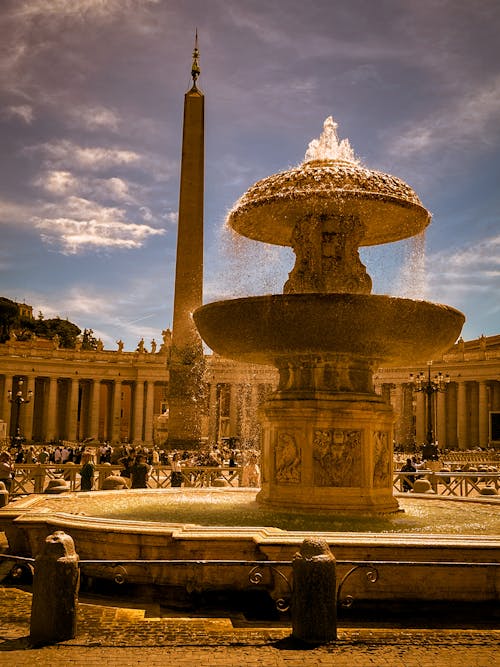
x: 330, y: 452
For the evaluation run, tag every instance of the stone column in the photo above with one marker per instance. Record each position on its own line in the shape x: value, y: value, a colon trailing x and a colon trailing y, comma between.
x: 212, y: 413
x: 4, y: 401
x: 398, y: 405
x: 51, y: 410
x: 462, y: 420
x: 72, y: 414
x: 28, y: 409
x: 95, y: 403
x: 116, y: 406
x: 495, y: 395
x: 440, y: 430
x: 234, y: 393
x: 149, y: 415
x: 138, y: 412
x: 483, y: 414
x: 420, y: 419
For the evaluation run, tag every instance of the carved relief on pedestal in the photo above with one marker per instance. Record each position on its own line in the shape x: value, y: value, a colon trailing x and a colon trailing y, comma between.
x: 336, y: 457
x: 287, y: 460
x: 381, y: 459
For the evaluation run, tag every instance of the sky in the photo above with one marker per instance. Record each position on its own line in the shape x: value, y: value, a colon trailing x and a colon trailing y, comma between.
x: 92, y: 96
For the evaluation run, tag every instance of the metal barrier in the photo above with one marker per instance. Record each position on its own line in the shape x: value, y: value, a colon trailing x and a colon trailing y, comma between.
x: 460, y: 484
x: 255, y: 576
x: 33, y: 478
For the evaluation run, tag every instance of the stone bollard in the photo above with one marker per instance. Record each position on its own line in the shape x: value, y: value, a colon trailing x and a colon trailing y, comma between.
x: 55, y: 591
x: 39, y: 478
x: 314, y: 595
x: 4, y: 495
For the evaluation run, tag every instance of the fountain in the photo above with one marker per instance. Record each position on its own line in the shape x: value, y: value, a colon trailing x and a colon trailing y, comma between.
x: 327, y: 436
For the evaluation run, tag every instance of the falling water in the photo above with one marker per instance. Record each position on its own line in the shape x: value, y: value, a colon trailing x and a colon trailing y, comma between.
x: 251, y: 267
x: 412, y: 282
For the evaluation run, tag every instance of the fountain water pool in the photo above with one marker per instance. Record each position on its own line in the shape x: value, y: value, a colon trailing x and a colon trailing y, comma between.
x: 227, y: 508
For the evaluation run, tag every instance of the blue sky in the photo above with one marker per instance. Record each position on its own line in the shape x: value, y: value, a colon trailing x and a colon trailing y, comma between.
x: 91, y: 120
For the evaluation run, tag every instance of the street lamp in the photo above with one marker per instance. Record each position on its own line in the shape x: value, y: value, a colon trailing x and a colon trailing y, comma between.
x: 429, y: 386
x: 19, y: 399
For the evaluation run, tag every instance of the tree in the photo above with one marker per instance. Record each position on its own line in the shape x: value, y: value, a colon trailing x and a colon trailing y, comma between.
x: 66, y: 330
x: 9, y: 317
x: 25, y: 327
x: 89, y: 342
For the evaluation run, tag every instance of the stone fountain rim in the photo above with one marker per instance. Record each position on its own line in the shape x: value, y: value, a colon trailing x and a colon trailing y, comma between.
x: 27, y: 514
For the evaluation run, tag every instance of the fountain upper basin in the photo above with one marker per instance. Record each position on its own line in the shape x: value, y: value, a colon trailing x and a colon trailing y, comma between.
x: 386, y: 330
x: 388, y: 209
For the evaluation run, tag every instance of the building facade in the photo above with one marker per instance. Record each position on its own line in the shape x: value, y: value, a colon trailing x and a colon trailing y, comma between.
x: 466, y: 414
x: 120, y: 396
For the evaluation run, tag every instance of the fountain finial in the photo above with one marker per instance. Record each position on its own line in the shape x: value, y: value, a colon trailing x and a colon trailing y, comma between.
x: 195, y: 67
x: 328, y: 146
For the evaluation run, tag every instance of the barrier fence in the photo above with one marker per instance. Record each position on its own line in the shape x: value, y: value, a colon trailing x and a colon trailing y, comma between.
x: 34, y: 478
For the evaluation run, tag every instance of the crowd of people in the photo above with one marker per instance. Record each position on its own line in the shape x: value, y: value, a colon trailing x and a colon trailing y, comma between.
x: 136, y: 462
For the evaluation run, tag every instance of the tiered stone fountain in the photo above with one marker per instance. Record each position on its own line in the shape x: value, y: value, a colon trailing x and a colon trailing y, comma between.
x: 327, y: 436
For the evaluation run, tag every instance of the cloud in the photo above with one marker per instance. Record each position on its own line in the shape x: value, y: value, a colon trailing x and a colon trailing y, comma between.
x: 468, y: 120
x: 171, y: 217
x: 94, y: 117
x: 468, y: 275
x: 81, y: 225
x: 67, y: 154
x: 64, y: 183
x: 83, y: 9
x: 23, y: 111
x: 13, y: 213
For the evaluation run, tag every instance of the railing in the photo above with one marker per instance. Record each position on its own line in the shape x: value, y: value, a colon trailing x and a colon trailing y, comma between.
x: 119, y: 573
x: 460, y: 484
x: 33, y: 478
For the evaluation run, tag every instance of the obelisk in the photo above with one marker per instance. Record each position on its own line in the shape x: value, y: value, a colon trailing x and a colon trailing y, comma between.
x: 185, y: 395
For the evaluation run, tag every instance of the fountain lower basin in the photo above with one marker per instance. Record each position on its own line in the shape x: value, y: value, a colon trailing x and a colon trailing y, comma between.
x: 27, y: 523
x: 386, y: 331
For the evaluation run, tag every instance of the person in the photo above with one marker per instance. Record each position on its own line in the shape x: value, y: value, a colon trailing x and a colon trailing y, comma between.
x: 176, y: 476
x: 87, y: 473
x: 251, y: 472
x: 408, y: 467
x: 155, y: 457
x: 140, y: 473
x: 43, y: 456
x: 6, y: 469
x: 126, y: 462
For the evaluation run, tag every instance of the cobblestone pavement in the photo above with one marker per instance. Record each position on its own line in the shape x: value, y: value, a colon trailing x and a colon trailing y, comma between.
x: 122, y: 636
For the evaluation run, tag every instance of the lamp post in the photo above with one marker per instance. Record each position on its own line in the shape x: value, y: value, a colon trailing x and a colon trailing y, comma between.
x: 429, y: 386
x: 19, y: 399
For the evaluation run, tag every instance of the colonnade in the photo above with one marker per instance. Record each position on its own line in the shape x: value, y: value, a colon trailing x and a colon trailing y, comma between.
x: 460, y: 414
x: 76, y: 408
